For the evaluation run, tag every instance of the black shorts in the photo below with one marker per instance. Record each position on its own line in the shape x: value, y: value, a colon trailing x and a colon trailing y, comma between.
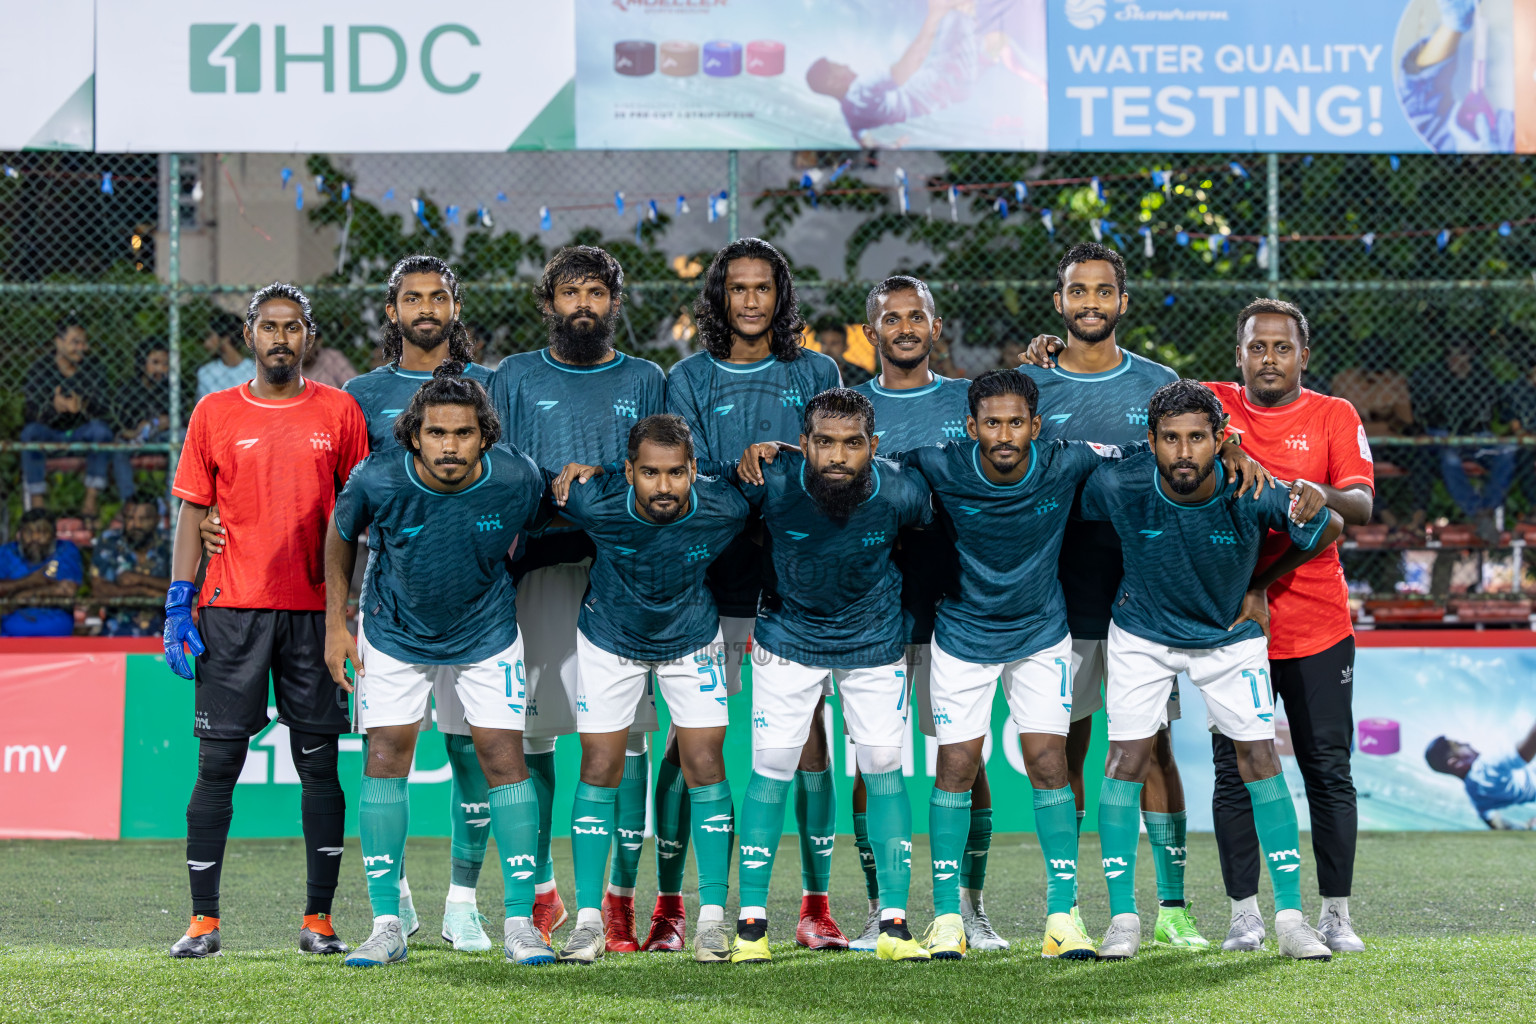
x: 246, y: 647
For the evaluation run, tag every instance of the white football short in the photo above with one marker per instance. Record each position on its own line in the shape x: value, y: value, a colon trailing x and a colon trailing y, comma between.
x: 1088, y: 673
x: 548, y: 603
x: 612, y: 687
x: 394, y: 692
x: 1038, y: 690
x: 1234, y: 680
x: 784, y: 697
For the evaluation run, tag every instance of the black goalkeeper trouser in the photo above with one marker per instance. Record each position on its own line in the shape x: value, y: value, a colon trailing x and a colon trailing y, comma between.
x: 1317, y: 691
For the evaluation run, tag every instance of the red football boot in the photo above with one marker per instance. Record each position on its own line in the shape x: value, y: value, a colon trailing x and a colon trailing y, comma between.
x: 548, y: 912
x: 619, y: 923
x: 816, y: 929
x: 668, y: 926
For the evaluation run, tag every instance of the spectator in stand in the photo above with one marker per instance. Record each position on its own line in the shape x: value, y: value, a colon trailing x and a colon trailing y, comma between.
x: 142, y: 411
x: 326, y: 365
x: 832, y: 338
x: 482, y: 337
x: 34, y: 565
x: 231, y: 363
x: 1519, y: 413
x: 1458, y: 396
x: 66, y: 400
x: 133, y: 562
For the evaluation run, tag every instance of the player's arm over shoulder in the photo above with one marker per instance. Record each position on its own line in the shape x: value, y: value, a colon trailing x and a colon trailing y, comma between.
x: 1111, y: 484
x: 910, y: 493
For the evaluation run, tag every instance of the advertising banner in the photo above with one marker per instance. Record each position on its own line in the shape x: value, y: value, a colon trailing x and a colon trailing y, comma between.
x: 1480, y: 699
x: 46, y: 75
x: 810, y: 74
x: 1371, y: 76
x: 61, y: 745
x: 295, y: 76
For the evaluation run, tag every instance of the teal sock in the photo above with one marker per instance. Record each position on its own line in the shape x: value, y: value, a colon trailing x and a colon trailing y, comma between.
x: 866, y: 854
x: 672, y: 827
x: 949, y: 822
x: 515, y: 822
x: 1165, y: 833
x: 383, y: 819
x: 762, y: 823
x: 1274, y: 816
x: 1119, y: 832
x: 541, y: 773
x: 816, y: 816
x: 713, y: 833
x: 591, y: 834
x: 890, y: 835
x: 469, y: 811
x: 978, y: 842
x: 1056, y: 829
x: 629, y: 814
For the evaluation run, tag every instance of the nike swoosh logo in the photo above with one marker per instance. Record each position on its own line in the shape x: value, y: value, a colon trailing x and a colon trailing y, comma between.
x: 311, y: 750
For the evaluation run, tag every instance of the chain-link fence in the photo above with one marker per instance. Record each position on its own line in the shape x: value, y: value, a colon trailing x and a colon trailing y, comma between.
x: 1416, y: 273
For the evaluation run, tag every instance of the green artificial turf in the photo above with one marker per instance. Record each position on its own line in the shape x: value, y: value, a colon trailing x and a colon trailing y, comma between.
x: 1450, y: 921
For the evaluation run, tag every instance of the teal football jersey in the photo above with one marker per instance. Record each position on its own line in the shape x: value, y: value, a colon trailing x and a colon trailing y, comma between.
x: 384, y: 393
x: 438, y: 590
x: 1107, y: 408
x: 729, y: 406
x: 558, y: 414
x: 1007, y: 603
x: 917, y: 416
x: 1187, y: 566
x: 646, y: 599
x: 834, y: 599
x: 905, y: 420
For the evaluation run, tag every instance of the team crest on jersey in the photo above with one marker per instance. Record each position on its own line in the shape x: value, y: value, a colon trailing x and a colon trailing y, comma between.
x: 624, y: 407
x: 696, y: 553
x: 1136, y: 416
x: 1045, y: 505
x: 321, y: 440
x: 791, y: 397
x: 1297, y: 443
x: 954, y: 428
x: 874, y: 538
x: 1223, y: 537
x: 487, y: 523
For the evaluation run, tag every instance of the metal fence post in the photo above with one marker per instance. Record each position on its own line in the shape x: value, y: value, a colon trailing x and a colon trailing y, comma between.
x: 173, y: 318
x: 732, y: 200
x: 1272, y: 229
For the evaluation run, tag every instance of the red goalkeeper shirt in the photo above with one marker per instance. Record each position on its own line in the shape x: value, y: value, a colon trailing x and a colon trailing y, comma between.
x: 274, y: 469
x: 1317, y: 438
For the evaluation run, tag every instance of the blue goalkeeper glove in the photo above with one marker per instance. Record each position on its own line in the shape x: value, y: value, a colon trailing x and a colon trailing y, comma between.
x: 1456, y: 15
x: 180, y: 599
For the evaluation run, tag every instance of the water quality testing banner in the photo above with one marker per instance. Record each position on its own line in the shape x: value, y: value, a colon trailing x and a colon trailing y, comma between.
x: 1379, y: 76
x: 1479, y: 698
x: 802, y: 74
x: 306, y: 75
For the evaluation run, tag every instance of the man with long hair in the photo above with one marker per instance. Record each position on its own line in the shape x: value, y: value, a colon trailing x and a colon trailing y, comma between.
x: 749, y: 385
x: 575, y: 401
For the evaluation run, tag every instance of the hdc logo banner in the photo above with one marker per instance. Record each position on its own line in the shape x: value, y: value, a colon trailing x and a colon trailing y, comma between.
x: 61, y: 745
x: 286, y: 76
x: 1384, y: 76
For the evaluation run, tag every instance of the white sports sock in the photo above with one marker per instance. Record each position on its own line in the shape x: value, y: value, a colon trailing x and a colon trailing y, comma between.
x: 811, y: 892
x: 711, y: 913
x: 541, y: 888
x: 874, y: 906
x: 385, y: 919
x: 405, y: 887
x: 892, y: 913
x: 970, y: 899
x: 753, y: 914
x: 1336, y: 904
x: 1247, y: 906
x: 589, y: 915
x: 513, y: 922
x: 460, y: 894
x: 1284, y: 918
x: 619, y: 890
